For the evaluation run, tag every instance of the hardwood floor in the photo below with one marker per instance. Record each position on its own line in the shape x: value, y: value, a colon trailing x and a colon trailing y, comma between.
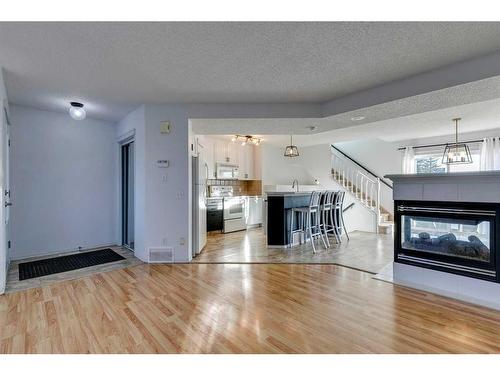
x: 365, y: 251
x: 240, y: 308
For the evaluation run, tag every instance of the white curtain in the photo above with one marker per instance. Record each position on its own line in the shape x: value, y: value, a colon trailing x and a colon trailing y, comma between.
x: 409, y: 161
x: 490, y: 154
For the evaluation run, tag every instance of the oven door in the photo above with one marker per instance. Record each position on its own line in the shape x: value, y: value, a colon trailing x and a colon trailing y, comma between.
x: 455, y: 239
x: 234, y: 208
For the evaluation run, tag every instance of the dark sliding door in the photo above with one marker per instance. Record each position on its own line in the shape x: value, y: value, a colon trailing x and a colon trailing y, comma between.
x: 127, y: 157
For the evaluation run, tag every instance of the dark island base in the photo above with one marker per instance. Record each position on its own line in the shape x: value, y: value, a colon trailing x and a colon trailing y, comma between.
x: 279, y: 216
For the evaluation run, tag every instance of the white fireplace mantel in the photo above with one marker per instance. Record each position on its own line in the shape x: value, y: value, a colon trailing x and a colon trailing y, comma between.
x: 481, y: 187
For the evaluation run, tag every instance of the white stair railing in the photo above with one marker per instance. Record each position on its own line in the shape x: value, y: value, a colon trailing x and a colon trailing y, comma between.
x: 355, y: 179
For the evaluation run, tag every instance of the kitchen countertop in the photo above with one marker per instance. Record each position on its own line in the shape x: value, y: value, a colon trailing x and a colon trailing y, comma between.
x: 287, y: 193
x: 236, y: 196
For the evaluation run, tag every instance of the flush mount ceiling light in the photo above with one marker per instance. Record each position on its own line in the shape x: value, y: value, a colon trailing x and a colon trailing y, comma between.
x: 357, y: 118
x: 457, y: 153
x: 76, y: 111
x: 246, y: 139
x: 291, y: 151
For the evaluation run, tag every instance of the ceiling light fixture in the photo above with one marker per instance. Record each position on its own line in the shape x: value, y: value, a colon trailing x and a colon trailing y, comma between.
x: 76, y: 111
x: 357, y: 118
x: 291, y: 151
x: 457, y: 153
x: 246, y: 139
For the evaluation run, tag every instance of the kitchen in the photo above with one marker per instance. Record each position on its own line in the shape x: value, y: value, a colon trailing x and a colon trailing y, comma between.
x: 227, y: 188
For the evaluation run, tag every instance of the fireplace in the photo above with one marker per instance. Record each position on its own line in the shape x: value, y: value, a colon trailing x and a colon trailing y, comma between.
x: 454, y: 237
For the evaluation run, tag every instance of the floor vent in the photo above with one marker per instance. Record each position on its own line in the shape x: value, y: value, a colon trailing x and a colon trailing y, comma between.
x: 161, y: 255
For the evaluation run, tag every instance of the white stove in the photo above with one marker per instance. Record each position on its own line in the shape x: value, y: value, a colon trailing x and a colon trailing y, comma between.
x: 233, y: 206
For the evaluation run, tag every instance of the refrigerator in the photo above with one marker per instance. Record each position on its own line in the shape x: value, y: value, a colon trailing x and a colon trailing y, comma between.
x: 200, y: 174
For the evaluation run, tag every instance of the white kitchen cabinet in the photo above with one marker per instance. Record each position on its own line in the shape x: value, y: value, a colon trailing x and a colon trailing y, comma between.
x: 248, y: 157
x: 220, y: 151
x: 257, y: 163
x: 246, y: 162
x: 233, y: 151
x: 226, y: 151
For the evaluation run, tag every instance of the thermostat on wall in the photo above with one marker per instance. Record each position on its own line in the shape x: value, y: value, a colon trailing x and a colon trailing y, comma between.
x: 165, y: 127
x: 162, y: 163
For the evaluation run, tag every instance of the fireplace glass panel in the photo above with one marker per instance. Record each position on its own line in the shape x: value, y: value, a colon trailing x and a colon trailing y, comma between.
x: 462, y: 238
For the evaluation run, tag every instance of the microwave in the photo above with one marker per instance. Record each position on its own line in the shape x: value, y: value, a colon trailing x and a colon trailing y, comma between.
x: 227, y: 171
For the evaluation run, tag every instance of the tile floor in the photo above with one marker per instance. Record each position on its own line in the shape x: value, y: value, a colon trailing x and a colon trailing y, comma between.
x: 364, y: 251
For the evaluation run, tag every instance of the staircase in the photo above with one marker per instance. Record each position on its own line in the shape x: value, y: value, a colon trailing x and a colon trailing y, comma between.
x: 364, y: 186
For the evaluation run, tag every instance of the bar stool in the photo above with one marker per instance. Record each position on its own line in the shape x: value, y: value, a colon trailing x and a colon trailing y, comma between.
x: 327, y: 222
x: 337, y: 215
x: 310, y: 220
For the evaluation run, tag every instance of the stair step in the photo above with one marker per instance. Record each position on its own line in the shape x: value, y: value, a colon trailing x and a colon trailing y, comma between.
x: 385, y: 228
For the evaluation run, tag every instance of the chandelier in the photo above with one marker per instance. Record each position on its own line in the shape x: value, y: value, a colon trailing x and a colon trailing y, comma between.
x: 246, y: 139
x: 291, y: 151
x: 457, y: 153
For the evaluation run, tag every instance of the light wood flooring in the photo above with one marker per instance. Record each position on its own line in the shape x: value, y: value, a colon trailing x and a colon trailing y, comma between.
x: 364, y: 251
x: 240, y: 308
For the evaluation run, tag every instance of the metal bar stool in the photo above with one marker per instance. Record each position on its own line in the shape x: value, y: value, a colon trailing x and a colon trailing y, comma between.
x: 337, y: 215
x: 310, y: 223
x: 327, y: 223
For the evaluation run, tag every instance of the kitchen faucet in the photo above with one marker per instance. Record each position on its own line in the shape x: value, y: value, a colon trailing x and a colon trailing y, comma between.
x: 295, y: 183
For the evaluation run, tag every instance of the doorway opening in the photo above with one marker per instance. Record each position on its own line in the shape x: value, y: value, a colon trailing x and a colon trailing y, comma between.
x: 127, y: 194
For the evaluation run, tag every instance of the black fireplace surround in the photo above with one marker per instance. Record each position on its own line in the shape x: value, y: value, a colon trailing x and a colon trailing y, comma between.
x: 454, y: 237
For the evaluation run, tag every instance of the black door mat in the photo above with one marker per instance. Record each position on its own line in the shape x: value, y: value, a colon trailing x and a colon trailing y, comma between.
x: 38, y: 268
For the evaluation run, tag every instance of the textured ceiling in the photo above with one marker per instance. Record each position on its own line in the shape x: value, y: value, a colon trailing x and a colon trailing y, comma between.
x: 113, y: 67
x: 479, y: 99
x: 476, y: 117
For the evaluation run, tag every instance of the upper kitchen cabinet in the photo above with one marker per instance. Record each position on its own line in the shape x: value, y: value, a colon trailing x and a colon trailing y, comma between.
x: 226, y: 152
x: 250, y: 162
x: 216, y: 150
x: 257, y: 163
x: 245, y: 160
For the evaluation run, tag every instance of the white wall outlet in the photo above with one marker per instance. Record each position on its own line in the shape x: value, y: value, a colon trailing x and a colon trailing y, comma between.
x: 165, y: 127
x: 164, y: 241
x: 164, y: 178
x: 182, y: 241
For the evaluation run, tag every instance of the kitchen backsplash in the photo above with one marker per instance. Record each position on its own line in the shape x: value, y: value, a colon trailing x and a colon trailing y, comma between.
x: 248, y: 187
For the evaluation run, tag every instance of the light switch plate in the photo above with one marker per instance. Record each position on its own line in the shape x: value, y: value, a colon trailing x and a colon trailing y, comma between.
x: 165, y: 127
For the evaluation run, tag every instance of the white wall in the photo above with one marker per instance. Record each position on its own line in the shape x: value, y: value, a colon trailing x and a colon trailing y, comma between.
x: 4, y: 256
x: 168, y: 189
x: 63, y: 180
x: 162, y: 194
x: 313, y: 163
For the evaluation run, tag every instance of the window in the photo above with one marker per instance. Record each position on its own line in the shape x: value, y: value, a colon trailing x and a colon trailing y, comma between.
x: 429, y: 164
x: 430, y: 161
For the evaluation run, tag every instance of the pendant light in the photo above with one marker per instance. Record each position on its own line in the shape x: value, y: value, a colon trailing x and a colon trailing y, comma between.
x: 76, y: 111
x: 291, y: 151
x: 457, y: 153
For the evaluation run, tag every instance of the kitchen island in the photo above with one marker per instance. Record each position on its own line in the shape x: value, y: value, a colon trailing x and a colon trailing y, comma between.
x: 279, y: 214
